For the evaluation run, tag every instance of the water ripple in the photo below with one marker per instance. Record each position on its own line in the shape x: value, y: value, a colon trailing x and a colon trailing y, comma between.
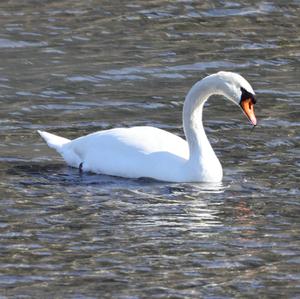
x: 6, y: 43
x: 99, y: 64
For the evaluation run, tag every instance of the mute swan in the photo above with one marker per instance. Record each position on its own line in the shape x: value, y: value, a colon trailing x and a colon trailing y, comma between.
x: 154, y: 153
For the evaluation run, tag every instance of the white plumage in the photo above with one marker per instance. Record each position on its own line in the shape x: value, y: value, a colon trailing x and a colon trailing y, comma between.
x: 151, y: 152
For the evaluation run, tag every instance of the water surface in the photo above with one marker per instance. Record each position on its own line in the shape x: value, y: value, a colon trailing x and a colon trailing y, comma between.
x: 72, y: 68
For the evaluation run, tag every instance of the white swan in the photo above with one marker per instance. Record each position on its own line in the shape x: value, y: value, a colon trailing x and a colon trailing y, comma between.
x: 154, y: 153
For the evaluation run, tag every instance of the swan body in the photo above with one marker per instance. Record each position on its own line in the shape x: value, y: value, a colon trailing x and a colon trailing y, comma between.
x: 154, y: 153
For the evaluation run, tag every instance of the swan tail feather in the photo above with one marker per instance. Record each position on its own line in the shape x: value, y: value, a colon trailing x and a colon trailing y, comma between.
x: 59, y: 144
x: 54, y: 141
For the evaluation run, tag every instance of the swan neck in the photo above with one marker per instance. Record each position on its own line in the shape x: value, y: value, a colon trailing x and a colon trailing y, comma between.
x: 199, y: 145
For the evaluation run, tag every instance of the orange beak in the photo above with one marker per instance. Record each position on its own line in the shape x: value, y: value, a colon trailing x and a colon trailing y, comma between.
x: 248, y: 108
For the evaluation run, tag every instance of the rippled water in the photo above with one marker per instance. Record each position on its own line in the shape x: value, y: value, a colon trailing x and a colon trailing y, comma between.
x: 74, y: 67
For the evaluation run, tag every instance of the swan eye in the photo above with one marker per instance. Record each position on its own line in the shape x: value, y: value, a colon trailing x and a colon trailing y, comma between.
x: 247, y: 104
x: 247, y: 95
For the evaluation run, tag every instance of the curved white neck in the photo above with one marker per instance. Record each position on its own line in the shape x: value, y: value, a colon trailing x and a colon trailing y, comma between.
x: 200, y: 149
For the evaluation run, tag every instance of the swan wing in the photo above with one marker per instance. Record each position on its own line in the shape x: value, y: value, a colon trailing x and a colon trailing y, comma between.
x: 129, y: 152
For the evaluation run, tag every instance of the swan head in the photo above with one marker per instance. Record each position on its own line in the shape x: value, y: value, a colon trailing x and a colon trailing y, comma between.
x: 238, y: 90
